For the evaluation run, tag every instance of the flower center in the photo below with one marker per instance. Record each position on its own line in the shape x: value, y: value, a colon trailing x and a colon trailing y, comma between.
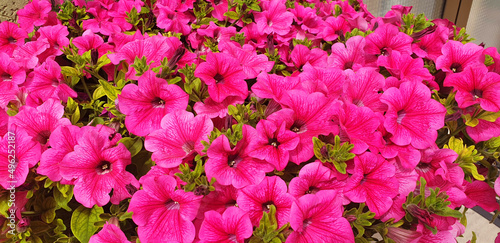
x: 6, y: 77
x: 233, y: 160
x: 401, y: 115
x: 384, y: 52
x: 188, y: 147
x: 158, y: 103
x: 219, y: 78
x: 296, y: 127
x: 456, y: 67
x: 477, y: 93
x: 269, y: 22
x: 274, y: 142
x: 12, y: 40
x: 423, y: 167
x: 312, y: 190
x: 43, y: 136
x: 172, y: 205
x: 104, y: 167
x: 267, y: 206
x: 348, y: 65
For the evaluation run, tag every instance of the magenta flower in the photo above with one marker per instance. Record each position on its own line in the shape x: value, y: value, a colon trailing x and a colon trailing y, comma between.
x: 274, y: 18
x: 101, y: 22
x: 11, y: 37
x: 479, y: 193
x: 257, y: 198
x: 145, y: 105
x: 307, y: 115
x: 179, y: 136
x: 437, y: 168
x: 169, y: 19
x: 387, y: 38
x: 358, y: 125
x: 302, y: 55
x: 273, y: 86
x: 110, y: 233
x: 48, y: 82
x: 223, y: 75
x: 98, y: 165
x: 313, y: 178
x: 233, y: 165
x: 484, y: 130
x: 35, y: 13
x: 413, y: 117
x: 41, y: 121
x: 233, y: 225
x: 349, y: 56
x: 56, y: 36
x: 163, y: 213
x: 222, y: 198
x: 334, y: 27
x: 318, y: 218
x: 430, y: 45
x: 457, y: 56
x: 4, y: 122
x: 362, y: 89
x: 251, y: 63
x: 328, y: 81
x: 476, y: 85
x: 273, y: 143
x: 27, y: 55
x: 62, y: 141
x: 26, y: 154
x: 216, y: 109
x: 405, y: 68
x: 372, y: 182
x: 10, y: 71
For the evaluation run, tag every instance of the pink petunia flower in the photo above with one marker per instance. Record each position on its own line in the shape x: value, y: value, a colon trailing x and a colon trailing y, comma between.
x: 222, y: 198
x: 362, y: 89
x: 255, y: 199
x: 457, y: 56
x: 216, y: 109
x: 405, y: 68
x: 328, y: 81
x: 11, y: 37
x: 387, y: 38
x: 164, y: 213
x: 179, y: 136
x: 476, y: 85
x: 48, y: 82
x: 251, y: 63
x: 223, y: 75
x: 35, y: 13
x: 101, y: 23
x: 17, y: 145
x: 313, y: 178
x: 437, y: 168
x: 334, y: 27
x: 273, y: 143
x: 273, y: 86
x: 307, y: 115
x: 62, y: 141
x: 233, y: 225
x: 274, y: 18
x: 98, y: 165
x: 145, y: 105
x: 233, y: 165
x: 413, y: 117
x: 430, y: 45
x: 39, y: 122
x: 349, y: 56
x: 10, y: 71
x: 169, y: 19
x: 27, y: 55
x: 4, y: 122
x: 479, y: 193
x: 301, y: 55
x: 110, y: 233
x: 56, y: 35
x: 372, y: 182
x: 484, y: 130
x: 318, y: 218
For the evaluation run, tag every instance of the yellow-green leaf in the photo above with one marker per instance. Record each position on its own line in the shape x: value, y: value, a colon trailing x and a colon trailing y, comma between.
x: 82, y: 222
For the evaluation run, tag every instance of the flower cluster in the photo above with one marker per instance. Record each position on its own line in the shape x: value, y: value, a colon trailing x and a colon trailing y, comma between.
x: 244, y: 121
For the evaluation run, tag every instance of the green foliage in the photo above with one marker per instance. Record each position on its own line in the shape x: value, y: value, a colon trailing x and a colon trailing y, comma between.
x: 82, y: 222
x: 268, y: 231
x: 412, y: 24
x: 337, y: 153
x: 461, y: 35
x: 134, y: 145
x: 422, y: 207
x: 195, y: 179
x: 361, y: 219
x: 467, y: 157
x: 488, y: 60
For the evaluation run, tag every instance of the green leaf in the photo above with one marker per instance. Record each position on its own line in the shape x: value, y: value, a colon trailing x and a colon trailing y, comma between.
x: 337, y: 153
x: 70, y: 71
x: 101, y: 62
x: 467, y: 157
x: 62, y: 200
x: 489, y: 116
x: 109, y: 89
x: 82, y: 222
x: 134, y: 145
x: 232, y: 15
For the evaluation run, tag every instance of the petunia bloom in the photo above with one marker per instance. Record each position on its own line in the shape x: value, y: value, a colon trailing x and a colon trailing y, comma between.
x: 223, y: 75
x: 318, y: 218
x: 98, y: 165
x: 180, y: 136
x: 110, y: 233
x: 233, y: 225
x: 164, y: 213
x: 146, y: 104
x: 413, y: 117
